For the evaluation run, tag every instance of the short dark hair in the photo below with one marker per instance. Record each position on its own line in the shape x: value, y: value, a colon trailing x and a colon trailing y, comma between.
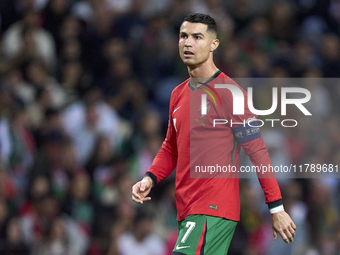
x: 204, y: 19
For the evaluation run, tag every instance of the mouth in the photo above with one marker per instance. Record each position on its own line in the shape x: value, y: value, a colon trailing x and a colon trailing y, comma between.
x: 188, y: 54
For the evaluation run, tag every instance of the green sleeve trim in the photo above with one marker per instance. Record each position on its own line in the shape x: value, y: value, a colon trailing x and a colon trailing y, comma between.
x: 152, y: 177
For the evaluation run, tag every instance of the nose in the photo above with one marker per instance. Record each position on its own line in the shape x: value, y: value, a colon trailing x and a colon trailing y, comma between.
x: 188, y: 42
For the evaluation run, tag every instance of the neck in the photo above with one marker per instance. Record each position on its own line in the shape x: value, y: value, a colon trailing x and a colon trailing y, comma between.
x: 202, y: 71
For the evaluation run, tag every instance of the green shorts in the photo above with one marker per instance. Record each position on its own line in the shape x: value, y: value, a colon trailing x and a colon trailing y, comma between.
x: 204, y: 235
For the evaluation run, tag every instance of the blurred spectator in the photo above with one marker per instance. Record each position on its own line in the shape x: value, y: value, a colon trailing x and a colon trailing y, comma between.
x: 4, y: 214
x: 38, y: 188
x: 116, y: 231
x: 6, y: 100
x: 304, y: 59
x: 36, y: 112
x: 62, y: 236
x: 126, y: 213
x: 109, y: 183
x: 48, y: 158
x: 130, y: 25
x: 52, y: 121
x: 70, y: 29
x: 63, y: 177
x: 74, y: 79
x: 70, y: 52
x: 120, y: 7
x: 153, y: 7
x: 282, y: 20
x: 86, y: 9
x: 323, y: 218
x: 123, y: 181
x: 25, y: 40
x: 14, y: 241
x: 145, y: 155
x: 38, y: 76
x: 166, y: 215
x: 91, y: 116
x: 260, y: 65
x: 19, y: 87
x: 150, y: 49
x: 140, y: 240
x: 8, y: 189
x: 22, y: 146
x: 77, y: 203
x: 319, y: 105
x: 331, y: 55
x: 113, y: 51
x: 34, y: 224
x: 54, y: 242
x: 101, y: 155
x: 119, y: 72
x: 3, y: 61
x: 150, y: 124
x: 128, y: 99
x: 260, y: 34
x: 85, y: 138
x: 53, y: 16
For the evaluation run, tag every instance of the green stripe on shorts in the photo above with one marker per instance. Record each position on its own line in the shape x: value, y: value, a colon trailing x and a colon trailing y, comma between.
x: 204, y: 235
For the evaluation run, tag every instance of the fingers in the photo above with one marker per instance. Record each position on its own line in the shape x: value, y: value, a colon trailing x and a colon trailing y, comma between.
x: 293, y: 225
x: 135, y: 191
x: 283, y: 225
x: 287, y: 235
x: 136, y: 195
x: 292, y: 231
x: 275, y: 234
x: 283, y: 236
x: 140, y: 200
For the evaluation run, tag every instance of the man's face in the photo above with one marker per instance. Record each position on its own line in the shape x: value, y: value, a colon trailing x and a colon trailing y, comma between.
x: 195, y: 43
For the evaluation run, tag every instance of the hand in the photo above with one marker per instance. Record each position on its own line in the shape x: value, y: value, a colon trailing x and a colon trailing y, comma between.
x: 141, y: 189
x: 283, y: 224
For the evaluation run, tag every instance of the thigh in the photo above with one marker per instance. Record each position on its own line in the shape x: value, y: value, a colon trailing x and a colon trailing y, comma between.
x: 204, y: 235
x: 220, y: 232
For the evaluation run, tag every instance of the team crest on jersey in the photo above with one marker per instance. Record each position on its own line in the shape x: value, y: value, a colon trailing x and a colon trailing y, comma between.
x: 201, y: 120
x: 208, y: 110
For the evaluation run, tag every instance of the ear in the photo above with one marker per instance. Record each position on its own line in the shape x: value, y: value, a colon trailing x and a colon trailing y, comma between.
x: 214, y: 44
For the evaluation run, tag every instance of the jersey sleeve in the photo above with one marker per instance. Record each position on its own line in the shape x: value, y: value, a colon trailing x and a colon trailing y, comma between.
x: 166, y: 159
x: 247, y: 133
x: 258, y: 154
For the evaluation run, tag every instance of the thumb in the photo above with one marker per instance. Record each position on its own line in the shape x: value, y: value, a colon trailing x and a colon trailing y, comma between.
x: 275, y: 234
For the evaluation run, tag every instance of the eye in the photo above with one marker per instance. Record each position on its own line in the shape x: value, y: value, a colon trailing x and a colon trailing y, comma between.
x: 197, y: 37
x: 183, y: 36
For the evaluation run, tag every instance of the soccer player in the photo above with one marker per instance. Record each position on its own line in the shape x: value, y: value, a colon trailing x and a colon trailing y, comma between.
x: 208, y: 208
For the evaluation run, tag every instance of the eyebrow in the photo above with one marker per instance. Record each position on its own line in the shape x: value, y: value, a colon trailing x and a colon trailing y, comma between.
x: 193, y: 34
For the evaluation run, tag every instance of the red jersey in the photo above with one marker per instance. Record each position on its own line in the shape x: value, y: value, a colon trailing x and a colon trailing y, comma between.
x: 192, y: 140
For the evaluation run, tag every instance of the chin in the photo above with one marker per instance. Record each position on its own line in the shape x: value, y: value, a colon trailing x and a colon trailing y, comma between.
x: 189, y: 62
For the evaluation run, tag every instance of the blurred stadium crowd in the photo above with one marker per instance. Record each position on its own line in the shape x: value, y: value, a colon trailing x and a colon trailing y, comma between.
x: 84, y: 93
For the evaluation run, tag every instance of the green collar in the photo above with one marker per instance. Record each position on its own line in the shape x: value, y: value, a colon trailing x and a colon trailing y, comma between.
x: 217, y: 73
